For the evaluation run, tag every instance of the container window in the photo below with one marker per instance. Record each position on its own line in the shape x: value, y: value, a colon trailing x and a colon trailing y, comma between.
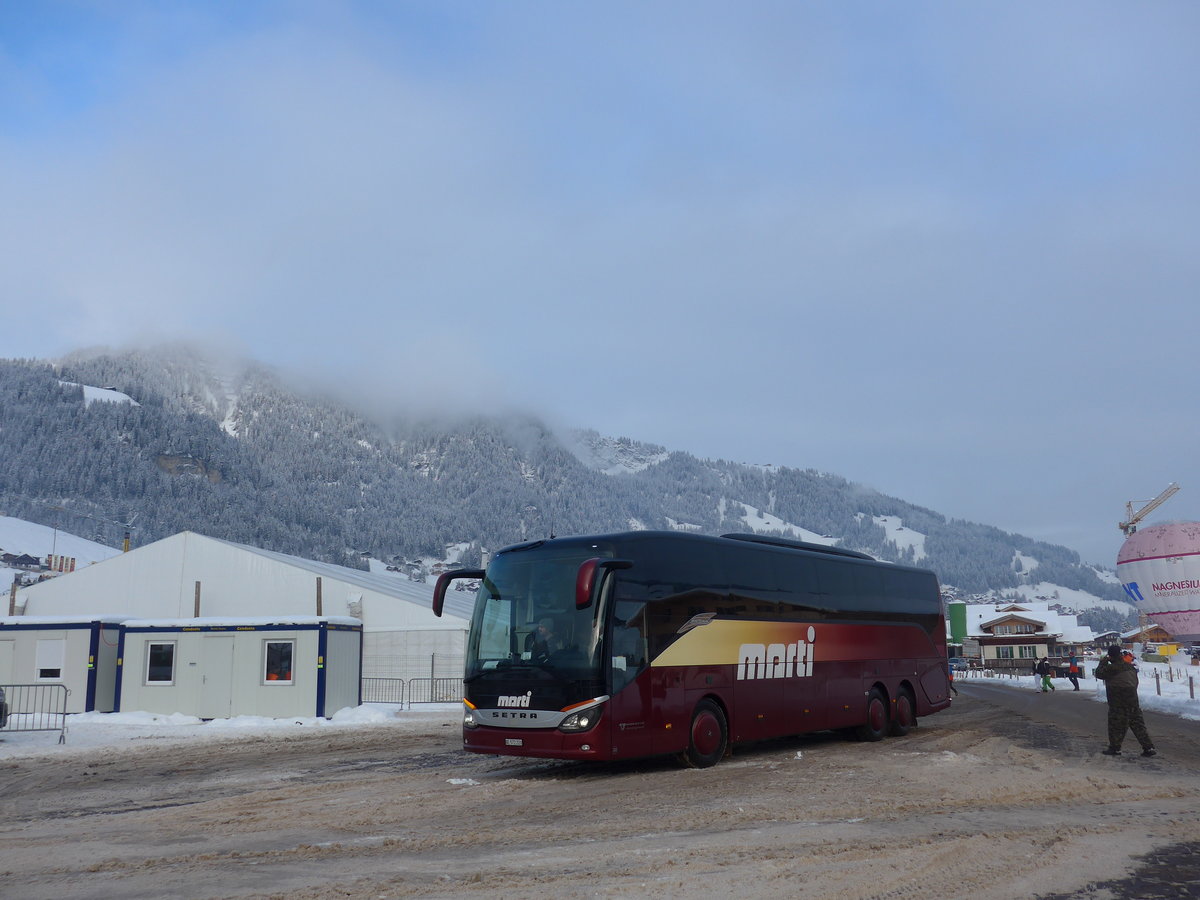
x: 51, y: 654
x: 279, y: 662
x: 160, y: 662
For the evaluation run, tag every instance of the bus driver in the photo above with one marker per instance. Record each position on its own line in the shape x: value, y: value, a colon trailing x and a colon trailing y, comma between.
x: 540, y: 642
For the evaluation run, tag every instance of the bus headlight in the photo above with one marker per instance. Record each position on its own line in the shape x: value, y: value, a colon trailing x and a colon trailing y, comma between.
x: 581, y: 720
x: 469, y: 720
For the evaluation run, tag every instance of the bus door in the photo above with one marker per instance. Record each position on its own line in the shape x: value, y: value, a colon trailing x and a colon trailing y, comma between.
x: 759, y: 681
x: 806, y: 704
x: 631, y: 712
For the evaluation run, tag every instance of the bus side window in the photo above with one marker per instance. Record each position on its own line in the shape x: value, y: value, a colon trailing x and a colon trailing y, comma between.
x: 837, y: 584
x: 868, y: 584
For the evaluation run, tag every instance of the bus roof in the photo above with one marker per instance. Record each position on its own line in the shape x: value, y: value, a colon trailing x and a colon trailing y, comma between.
x: 628, y: 541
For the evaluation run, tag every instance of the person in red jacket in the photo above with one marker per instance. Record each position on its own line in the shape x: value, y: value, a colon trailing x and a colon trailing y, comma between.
x: 1073, y: 670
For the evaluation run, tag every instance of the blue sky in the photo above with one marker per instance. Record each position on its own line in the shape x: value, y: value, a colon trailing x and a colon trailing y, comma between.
x: 946, y: 250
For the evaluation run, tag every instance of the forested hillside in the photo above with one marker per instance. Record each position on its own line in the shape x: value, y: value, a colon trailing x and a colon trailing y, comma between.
x: 233, y: 453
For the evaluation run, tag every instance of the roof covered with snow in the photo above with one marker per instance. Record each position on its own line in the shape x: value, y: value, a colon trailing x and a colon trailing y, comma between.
x: 1066, y: 627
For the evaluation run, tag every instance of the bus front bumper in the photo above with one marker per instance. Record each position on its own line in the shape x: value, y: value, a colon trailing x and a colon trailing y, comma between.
x: 544, y: 743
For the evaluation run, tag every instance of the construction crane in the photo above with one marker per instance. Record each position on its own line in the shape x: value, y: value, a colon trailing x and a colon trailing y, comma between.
x: 1129, y: 526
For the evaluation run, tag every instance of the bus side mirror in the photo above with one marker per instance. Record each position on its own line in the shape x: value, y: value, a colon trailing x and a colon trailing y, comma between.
x: 443, y: 582
x: 590, y: 578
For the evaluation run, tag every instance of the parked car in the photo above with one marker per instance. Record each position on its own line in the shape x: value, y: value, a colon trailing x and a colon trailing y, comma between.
x: 959, y: 663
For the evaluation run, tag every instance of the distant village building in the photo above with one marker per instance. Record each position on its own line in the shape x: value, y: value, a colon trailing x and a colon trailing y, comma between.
x: 21, y: 561
x: 1152, y: 633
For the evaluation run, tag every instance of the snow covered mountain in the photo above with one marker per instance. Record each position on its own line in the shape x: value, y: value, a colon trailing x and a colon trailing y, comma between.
x: 227, y: 449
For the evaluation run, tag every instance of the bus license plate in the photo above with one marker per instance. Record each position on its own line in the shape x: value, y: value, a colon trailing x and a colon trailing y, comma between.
x: 514, y: 742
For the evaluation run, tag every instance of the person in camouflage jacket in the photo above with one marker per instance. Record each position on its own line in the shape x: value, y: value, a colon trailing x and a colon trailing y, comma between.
x: 1124, y: 710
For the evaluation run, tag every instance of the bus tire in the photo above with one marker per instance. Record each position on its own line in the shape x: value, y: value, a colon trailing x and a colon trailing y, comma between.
x: 708, y: 738
x: 875, y: 728
x: 904, y: 716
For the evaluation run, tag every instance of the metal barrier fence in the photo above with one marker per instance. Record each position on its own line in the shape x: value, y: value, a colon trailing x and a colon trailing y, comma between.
x: 383, y: 690
x: 414, y: 690
x: 36, y: 707
x: 1024, y: 666
x: 434, y: 690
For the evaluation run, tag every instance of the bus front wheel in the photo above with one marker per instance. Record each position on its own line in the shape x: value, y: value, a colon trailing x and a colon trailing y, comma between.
x: 877, y: 723
x: 708, y: 738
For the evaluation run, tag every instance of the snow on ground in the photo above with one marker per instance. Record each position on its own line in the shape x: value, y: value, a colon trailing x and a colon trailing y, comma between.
x: 761, y: 520
x: 88, y: 731
x: 20, y: 537
x: 1172, y: 693
x: 902, y: 537
x: 1023, y: 563
x: 101, y: 395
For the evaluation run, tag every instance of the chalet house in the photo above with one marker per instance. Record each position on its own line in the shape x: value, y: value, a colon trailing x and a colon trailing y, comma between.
x: 1023, y: 631
x: 21, y: 561
x: 1150, y: 634
x: 1014, y: 634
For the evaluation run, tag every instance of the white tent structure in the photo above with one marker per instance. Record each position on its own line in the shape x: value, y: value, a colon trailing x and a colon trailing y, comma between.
x: 189, y: 575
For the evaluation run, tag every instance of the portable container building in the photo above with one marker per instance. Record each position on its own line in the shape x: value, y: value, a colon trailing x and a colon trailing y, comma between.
x: 217, y: 668
x: 77, y: 652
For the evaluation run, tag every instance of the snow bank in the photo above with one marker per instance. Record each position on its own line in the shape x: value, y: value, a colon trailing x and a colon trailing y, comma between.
x: 1170, y: 694
x: 88, y: 731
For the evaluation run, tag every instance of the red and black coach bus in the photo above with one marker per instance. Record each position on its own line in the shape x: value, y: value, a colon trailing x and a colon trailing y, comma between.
x: 627, y: 645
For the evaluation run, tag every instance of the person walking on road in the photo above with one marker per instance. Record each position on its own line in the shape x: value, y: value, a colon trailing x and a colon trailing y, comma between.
x: 1043, y: 668
x: 1124, y: 710
x: 1073, y: 670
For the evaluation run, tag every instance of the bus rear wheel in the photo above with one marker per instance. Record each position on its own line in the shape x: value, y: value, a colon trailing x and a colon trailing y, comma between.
x: 904, y: 717
x: 708, y: 738
x: 875, y: 728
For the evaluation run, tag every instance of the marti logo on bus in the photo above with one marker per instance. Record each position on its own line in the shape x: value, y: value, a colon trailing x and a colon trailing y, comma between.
x: 520, y: 701
x: 777, y: 660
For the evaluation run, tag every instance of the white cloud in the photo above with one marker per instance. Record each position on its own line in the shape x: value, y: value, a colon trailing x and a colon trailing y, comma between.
x: 946, y: 252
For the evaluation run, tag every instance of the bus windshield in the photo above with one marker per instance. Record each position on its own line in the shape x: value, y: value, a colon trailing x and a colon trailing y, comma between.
x: 525, y: 616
